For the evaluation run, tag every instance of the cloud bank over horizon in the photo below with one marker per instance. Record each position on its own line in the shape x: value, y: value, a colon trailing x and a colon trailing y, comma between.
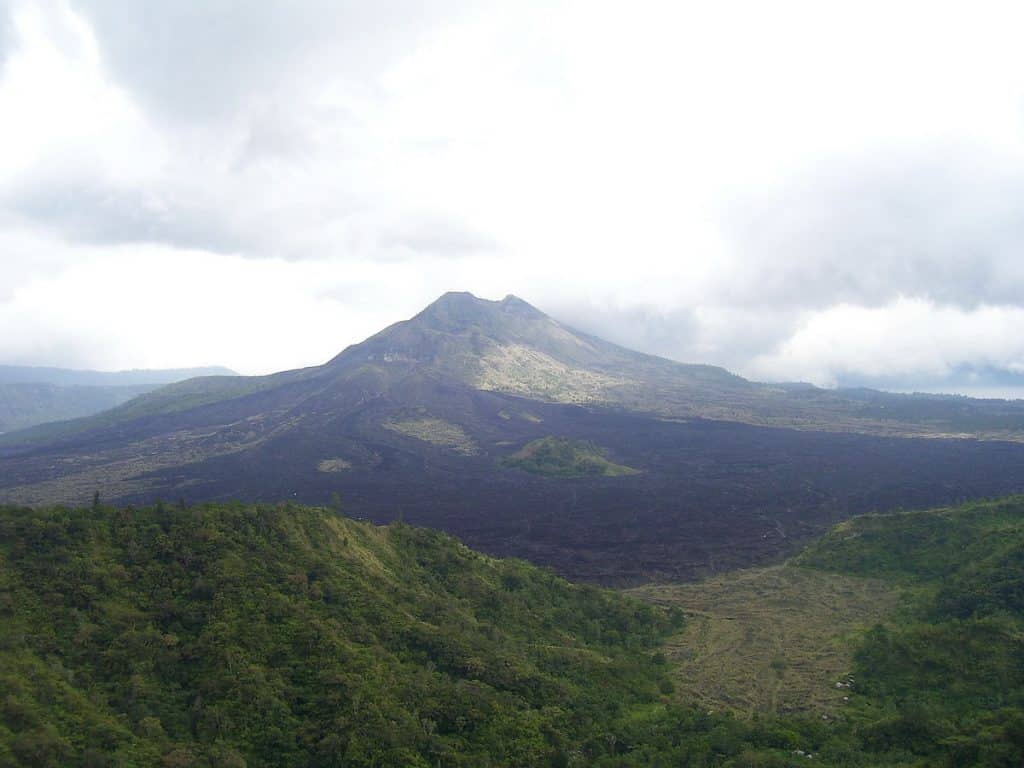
x: 808, y: 191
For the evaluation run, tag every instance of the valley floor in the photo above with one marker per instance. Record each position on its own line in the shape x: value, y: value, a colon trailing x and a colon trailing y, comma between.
x: 772, y: 640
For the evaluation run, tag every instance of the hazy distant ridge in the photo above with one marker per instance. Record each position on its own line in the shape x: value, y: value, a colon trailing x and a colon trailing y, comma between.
x: 30, y: 396
x: 66, y: 377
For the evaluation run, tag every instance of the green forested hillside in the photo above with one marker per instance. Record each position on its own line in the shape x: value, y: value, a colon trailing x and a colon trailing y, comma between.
x: 901, y: 635
x: 944, y: 680
x: 288, y: 636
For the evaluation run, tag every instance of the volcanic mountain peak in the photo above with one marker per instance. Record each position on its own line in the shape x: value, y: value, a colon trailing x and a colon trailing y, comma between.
x: 458, y: 331
x: 444, y: 415
x: 461, y: 311
x: 510, y: 346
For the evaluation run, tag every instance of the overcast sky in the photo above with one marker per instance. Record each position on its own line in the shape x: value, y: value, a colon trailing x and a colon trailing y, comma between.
x: 820, y: 191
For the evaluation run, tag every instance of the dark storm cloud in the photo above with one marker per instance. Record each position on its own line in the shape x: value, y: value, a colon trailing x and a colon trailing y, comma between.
x: 946, y: 227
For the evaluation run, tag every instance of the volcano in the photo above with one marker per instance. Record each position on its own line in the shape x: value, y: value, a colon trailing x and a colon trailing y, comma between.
x: 495, y: 422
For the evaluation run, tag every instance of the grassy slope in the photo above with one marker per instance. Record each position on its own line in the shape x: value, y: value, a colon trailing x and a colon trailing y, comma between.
x: 436, y: 432
x: 770, y: 640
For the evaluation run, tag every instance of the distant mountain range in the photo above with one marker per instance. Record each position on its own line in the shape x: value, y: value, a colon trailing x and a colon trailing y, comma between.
x: 67, y: 377
x: 31, y: 396
x: 523, y: 436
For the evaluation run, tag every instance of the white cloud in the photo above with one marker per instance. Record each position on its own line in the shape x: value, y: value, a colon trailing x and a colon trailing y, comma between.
x: 735, y: 182
x: 64, y: 121
x: 153, y: 306
x: 909, y: 337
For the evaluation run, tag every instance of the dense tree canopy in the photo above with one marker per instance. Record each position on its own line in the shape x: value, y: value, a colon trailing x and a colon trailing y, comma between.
x: 236, y: 635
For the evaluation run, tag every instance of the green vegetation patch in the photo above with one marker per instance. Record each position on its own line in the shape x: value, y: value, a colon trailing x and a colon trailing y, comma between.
x: 563, y: 457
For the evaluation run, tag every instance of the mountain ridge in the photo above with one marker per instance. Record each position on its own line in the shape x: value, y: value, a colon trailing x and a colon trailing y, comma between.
x: 510, y: 346
x: 30, y: 396
x: 420, y: 420
x: 84, y: 377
